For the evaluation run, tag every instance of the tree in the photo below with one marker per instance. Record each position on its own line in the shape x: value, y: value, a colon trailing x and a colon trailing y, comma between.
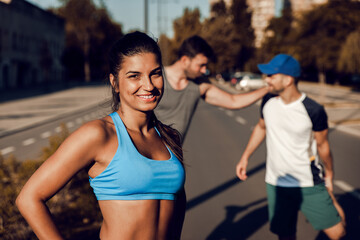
x: 349, y: 60
x: 219, y: 33
x: 167, y: 50
x: 279, y: 35
x: 90, y: 32
x: 186, y: 26
x: 321, y: 33
x: 241, y: 15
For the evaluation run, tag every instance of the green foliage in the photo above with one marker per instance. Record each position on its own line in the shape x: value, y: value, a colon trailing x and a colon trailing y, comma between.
x: 279, y: 35
x: 167, y: 50
x: 228, y: 32
x: 186, y: 26
x: 90, y: 32
x: 75, y: 207
x: 323, y: 30
x: 349, y: 60
x: 224, y: 41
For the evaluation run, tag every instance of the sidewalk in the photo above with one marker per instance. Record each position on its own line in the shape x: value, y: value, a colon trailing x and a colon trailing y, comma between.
x: 18, y: 115
x: 342, y: 106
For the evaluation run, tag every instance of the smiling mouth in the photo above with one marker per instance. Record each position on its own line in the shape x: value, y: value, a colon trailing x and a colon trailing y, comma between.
x: 148, y: 98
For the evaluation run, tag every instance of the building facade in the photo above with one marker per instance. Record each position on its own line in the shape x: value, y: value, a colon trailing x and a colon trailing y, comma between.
x: 32, y: 41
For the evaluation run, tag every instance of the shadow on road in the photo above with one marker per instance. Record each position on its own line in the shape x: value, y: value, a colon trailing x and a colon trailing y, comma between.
x: 240, y: 229
x: 206, y: 196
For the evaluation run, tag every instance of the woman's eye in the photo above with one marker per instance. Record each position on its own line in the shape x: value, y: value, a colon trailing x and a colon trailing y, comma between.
x: 134, y: 76
x: 158, y: 73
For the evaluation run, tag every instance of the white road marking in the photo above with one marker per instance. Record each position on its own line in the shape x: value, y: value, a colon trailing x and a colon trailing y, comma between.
x: 58, y: 129
x: 46, y: 134
x: 7, y: 150
x: 229, y: 113
x: 70, y: 124
x: 79, y: 120
x: 347, y: 188
x: 240, y: 120
x: 28, y: 142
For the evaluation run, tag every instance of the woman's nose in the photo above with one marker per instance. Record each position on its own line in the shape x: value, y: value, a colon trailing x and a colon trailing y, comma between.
x: 147, y: 84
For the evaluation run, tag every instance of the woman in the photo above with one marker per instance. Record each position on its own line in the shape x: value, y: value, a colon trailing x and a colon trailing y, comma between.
x: 134, y: 162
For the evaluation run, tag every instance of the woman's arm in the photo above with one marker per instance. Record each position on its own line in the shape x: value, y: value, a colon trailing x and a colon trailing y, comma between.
x: 76, y: 152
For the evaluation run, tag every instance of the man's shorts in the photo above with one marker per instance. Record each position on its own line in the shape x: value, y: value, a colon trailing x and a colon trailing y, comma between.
x: 315, y: 203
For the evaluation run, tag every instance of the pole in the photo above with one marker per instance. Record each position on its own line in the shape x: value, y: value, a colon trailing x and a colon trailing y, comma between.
x: 146, y: 16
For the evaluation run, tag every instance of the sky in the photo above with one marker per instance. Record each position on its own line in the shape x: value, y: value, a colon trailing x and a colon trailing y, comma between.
x: 130, y: 13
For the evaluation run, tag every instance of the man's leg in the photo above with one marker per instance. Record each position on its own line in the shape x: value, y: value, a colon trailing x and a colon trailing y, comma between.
x: 320, y: 209
x: 337, y: 231
x: 283, y: 211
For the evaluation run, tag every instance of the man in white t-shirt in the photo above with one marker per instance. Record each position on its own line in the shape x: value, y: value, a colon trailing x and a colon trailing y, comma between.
x: 296, y: 132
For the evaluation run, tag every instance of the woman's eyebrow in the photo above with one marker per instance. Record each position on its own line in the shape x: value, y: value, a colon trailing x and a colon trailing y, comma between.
x: 131, y: 72
x: 156, y: 69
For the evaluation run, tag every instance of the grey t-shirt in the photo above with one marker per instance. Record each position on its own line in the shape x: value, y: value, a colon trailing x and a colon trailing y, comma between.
x: 177, y: 107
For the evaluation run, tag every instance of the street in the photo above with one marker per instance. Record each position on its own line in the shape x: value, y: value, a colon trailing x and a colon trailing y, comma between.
x: 219, y: 205
x: 222, y: 207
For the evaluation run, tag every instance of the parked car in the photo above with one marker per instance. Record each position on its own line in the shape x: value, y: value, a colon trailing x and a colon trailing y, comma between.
x: 247, y: 81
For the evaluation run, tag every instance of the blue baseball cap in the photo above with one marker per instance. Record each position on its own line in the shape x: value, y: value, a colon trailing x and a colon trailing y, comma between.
x: 281, y: 63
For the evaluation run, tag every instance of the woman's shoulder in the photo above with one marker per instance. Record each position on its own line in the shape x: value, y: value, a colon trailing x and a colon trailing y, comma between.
x: 97, y: 130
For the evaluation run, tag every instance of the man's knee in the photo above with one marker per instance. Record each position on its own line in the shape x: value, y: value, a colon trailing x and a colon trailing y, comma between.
x: 335, y: 232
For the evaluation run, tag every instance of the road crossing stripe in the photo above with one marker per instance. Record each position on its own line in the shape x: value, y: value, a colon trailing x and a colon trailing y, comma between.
x: 240, y: 120
x: 28, y: 142
x: 347, y: 188
x: 58, y: 129
x: 46, y: 134
x: 7, y: 150
x: 70, y: 124
x: 229, y: 113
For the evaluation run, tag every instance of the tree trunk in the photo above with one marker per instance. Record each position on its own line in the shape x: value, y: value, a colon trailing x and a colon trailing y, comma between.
x: 322, y: 81
x: 87, y: 71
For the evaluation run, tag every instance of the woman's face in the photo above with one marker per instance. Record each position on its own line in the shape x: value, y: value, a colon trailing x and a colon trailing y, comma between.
x: 140, y: 82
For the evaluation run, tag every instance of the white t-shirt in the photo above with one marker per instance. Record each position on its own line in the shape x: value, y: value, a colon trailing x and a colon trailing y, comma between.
x: 292, y: 159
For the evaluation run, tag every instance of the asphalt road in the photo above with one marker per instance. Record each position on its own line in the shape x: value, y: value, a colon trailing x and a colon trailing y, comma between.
x: 222, y: 207
x: 219, y: 205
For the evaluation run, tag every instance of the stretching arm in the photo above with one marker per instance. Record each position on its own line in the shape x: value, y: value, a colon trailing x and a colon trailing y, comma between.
x: 255, y: 140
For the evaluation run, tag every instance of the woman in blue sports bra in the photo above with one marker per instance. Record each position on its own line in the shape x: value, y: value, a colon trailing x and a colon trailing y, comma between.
x: 134, y: 162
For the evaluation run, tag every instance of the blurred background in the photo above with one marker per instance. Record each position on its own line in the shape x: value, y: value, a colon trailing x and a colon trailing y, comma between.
x: 49, y: 42
x: 53, y: 70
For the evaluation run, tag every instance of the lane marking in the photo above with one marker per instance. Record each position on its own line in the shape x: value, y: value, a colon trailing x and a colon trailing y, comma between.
x: 347, y: 188
x: 79, y: 120
x: 70, y: 124
x: 7, y: 150
x: 28, y: 142
x: 240, y: 120
x: 229, y: 113
x: 46, y: 134
x: 58, y: 129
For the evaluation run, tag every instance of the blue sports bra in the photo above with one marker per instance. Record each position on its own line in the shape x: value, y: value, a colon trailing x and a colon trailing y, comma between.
x: 132, y: 176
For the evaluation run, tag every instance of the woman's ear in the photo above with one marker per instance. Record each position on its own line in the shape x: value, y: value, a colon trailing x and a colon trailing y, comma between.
x: 113, y: 82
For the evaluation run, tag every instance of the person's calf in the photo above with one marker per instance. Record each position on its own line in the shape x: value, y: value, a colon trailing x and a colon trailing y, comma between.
x: 335, y: 232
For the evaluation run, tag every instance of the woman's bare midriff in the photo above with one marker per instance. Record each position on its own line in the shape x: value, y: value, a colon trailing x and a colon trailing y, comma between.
x: 136, y: 219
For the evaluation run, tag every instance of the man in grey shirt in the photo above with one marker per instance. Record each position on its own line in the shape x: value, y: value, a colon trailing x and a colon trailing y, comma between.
x: 182, y: 93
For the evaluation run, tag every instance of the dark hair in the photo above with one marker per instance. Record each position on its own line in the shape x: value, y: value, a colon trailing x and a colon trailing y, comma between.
x: 129, y: 45
x: 195, y: 45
